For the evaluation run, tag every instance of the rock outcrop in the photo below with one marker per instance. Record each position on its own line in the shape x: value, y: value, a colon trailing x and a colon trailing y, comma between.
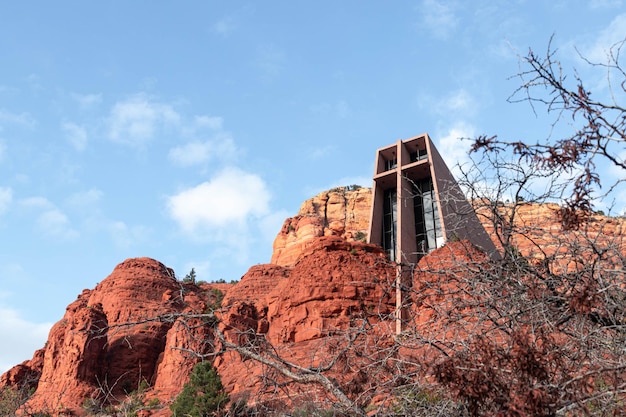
x: 342, y: 211
x: 114, y: 337
x: 332, y: 284
x: 142, y: 327
x: 138, y: 325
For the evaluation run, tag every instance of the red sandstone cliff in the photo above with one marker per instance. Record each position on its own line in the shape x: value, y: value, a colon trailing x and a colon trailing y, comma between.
x: 342, y: 211
x: 320, y: 282
x: 108, y: 341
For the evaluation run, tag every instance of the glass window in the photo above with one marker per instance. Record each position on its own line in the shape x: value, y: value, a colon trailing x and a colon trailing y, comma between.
x: 390, y: 221
x: 391, y: 164
x: 428, y: 232
x: 418, y: 155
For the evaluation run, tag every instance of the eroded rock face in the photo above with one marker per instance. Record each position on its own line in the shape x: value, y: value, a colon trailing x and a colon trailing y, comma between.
x: 339, y: 212
x: 73, y: 361
x: 303, y: 310
x: 322, y: 281
x: 115, y: 336
x: 332, y: 281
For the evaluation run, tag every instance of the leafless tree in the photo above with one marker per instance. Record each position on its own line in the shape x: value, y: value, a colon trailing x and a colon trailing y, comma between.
x: 541, y: 332
x: 596, y: 128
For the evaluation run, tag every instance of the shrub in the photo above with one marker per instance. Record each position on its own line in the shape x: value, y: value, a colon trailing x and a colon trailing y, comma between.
x: 360, y: 236
x: 214, y: 300
x: 191, y: 276
x: 203, y: 395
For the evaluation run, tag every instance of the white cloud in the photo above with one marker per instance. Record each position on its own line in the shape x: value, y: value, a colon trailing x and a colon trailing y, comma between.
x: 136, y: 120
x: 55, y: 223
x: 439, y: 17
x: 228, y: 200
x: 197, y: 153
x: 6, y: 197
x: 615, y: 32
x: 76, y: 135
x: 451, y: 147
x: 51, y: 221
x: 20, y: 338
x: 459, y: 100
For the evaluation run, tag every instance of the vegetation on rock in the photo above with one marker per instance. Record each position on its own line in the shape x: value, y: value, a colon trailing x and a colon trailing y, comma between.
x: 203, y: 395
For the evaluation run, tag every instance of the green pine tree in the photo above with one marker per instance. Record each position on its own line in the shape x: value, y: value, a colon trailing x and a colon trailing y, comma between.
x: 191, y: 276
x: 203, y: 395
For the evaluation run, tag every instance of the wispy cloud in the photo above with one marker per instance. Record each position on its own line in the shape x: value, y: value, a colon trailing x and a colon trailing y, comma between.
x: 439, y: 17
x: 270, y: 60
x: 211, y: 122
x: 20, y: 338
x: 597, y: 49
x: 86, y: 206
x: 605, y: 4
x: 21, y: 119
x: 36, y: 202
x: 451, y: 146
x: 225, y: 26
x: 55, y: 223
x: 125, y: 236
x: 6, y: 197
x: 135, y: 121
x: 50, y: 220
x: 221, y: 147
x: 459, y: 102
x: 87, y: 101
x: 85, y: 199
x: 75, y: 134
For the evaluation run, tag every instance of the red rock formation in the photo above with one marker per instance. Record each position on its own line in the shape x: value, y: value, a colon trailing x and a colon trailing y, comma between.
x: 321, y: 282
x: 339, y: 212
x: 94, y: 353
x: 303, y: 310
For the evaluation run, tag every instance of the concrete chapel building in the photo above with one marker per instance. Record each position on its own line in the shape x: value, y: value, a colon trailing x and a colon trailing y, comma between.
x: 417, y: 205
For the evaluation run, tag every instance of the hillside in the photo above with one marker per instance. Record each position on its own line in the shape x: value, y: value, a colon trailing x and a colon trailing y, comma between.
x: 325, y: 307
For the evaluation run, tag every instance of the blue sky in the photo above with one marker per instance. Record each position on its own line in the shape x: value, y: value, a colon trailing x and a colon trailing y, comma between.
x: 188, y: 131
